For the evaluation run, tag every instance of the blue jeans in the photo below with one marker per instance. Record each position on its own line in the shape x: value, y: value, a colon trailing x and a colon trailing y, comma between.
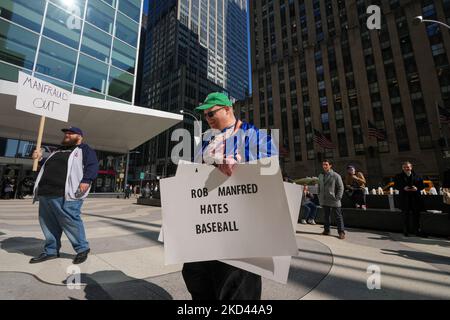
x: 310, y: 210
x: 57, y: 215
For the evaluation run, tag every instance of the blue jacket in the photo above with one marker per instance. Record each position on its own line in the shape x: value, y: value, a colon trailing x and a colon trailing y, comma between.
x: 82, y: 167
x: 258, y: 144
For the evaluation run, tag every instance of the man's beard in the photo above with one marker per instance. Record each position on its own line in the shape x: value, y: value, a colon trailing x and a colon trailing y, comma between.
x: 69, y: 143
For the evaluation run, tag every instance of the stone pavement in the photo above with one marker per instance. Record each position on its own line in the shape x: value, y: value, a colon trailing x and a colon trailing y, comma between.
x: 127, y: 261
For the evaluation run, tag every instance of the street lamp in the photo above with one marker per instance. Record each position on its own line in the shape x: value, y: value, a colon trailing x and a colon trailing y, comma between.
x: 126, y: 167
x: 420, y: 19
x: 190, y: 114
x: 197, y: 127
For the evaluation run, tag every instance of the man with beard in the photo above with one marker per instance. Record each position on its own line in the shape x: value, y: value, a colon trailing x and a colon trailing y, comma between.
x: 64, y: 180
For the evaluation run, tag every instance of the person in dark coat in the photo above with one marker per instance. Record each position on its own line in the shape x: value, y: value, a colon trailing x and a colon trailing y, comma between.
x: 446, y: 190
x: 409, y: 185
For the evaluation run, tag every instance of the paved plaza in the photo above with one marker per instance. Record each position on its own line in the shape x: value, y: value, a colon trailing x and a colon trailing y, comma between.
x: 127, y: 261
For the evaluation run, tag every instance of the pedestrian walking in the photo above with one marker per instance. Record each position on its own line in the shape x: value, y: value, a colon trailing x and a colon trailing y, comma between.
x: 127, y: 191
x: 9, y: 189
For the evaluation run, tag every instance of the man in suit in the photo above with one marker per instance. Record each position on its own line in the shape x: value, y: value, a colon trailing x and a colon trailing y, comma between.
x: 409, y: 185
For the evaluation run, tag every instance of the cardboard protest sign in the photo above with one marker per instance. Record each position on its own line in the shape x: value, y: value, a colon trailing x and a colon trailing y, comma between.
x: 209, y: 216
x: 275, y: 268
x: 42, y: 98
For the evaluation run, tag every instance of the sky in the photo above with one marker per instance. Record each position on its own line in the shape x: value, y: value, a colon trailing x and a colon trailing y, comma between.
x: 248, y: 42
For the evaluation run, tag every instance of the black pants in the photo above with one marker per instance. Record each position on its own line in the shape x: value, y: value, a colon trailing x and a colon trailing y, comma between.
x: 339, y: 218
x: 215, y: 280
x: 358, y: 197
x: 411, y: 215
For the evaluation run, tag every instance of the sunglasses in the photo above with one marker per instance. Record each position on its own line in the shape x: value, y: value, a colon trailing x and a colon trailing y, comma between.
x: 211, y: 114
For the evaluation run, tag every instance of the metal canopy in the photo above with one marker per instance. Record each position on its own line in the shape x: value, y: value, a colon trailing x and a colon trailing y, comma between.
x: 108, y: 126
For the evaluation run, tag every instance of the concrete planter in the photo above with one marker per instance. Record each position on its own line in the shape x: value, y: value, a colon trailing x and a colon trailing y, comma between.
x: 149, y: 202
x: 433, y: 224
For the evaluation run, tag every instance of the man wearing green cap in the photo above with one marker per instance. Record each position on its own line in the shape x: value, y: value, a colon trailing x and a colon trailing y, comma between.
x: 215, y: 280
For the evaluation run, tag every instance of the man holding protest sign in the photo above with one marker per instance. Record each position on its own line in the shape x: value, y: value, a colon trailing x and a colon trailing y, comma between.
x: 215, y: 280
x: 64, y: 180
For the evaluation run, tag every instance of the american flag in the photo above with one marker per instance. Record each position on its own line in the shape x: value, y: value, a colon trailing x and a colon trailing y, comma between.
x: 323, y: 141
x: 374, y: 132
x: 444, y: 115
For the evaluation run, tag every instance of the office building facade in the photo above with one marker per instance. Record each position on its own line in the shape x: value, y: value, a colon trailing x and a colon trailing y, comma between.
x: 192, y: 48
x: 317, y: 68
x: 88, y: 47
x: 221, y: 26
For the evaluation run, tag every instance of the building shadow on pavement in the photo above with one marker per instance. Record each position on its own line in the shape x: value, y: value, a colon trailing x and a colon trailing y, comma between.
x: 442, y: 242
x: 116, y: 285
x: 420, y: 256
x: 28, y: 246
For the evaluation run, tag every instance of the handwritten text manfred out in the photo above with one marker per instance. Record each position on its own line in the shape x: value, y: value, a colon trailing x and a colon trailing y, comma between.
x: 51, y: 92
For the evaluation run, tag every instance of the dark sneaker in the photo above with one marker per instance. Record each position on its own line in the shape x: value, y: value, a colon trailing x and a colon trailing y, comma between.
x: 326, y: 233
x: 341, y: 235
x: 43, y: 257
x: 81, y: 257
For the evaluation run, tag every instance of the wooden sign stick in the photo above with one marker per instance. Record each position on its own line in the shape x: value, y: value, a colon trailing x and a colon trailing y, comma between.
x: 39, y: 141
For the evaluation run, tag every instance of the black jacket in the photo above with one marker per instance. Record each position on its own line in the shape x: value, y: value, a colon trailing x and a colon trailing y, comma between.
x: 408, y: 199
x: 446, y: 182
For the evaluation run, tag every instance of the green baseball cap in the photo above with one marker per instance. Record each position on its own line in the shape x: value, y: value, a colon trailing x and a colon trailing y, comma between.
x: 215, y: 99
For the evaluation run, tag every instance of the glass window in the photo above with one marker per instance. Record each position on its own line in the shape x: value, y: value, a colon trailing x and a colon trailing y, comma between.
x: 61, y: 84
x: 24, y: 12
x: 62, y: 26
x: 92, y: 74
x: 75, y: 7
x: 8, y: 147
x: 100, y: 15
x: 120, y: 84
x: 112, y: 3
x: 9, y: 72
x: 123, y: 56
x: 96, y: 43
x: 131, y: 8
x: 116, y: 100
x: 56, y: 60
x: 25, y: 149
x: 127, y: 30
x: 17, y: 45
x: 89, y: 93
